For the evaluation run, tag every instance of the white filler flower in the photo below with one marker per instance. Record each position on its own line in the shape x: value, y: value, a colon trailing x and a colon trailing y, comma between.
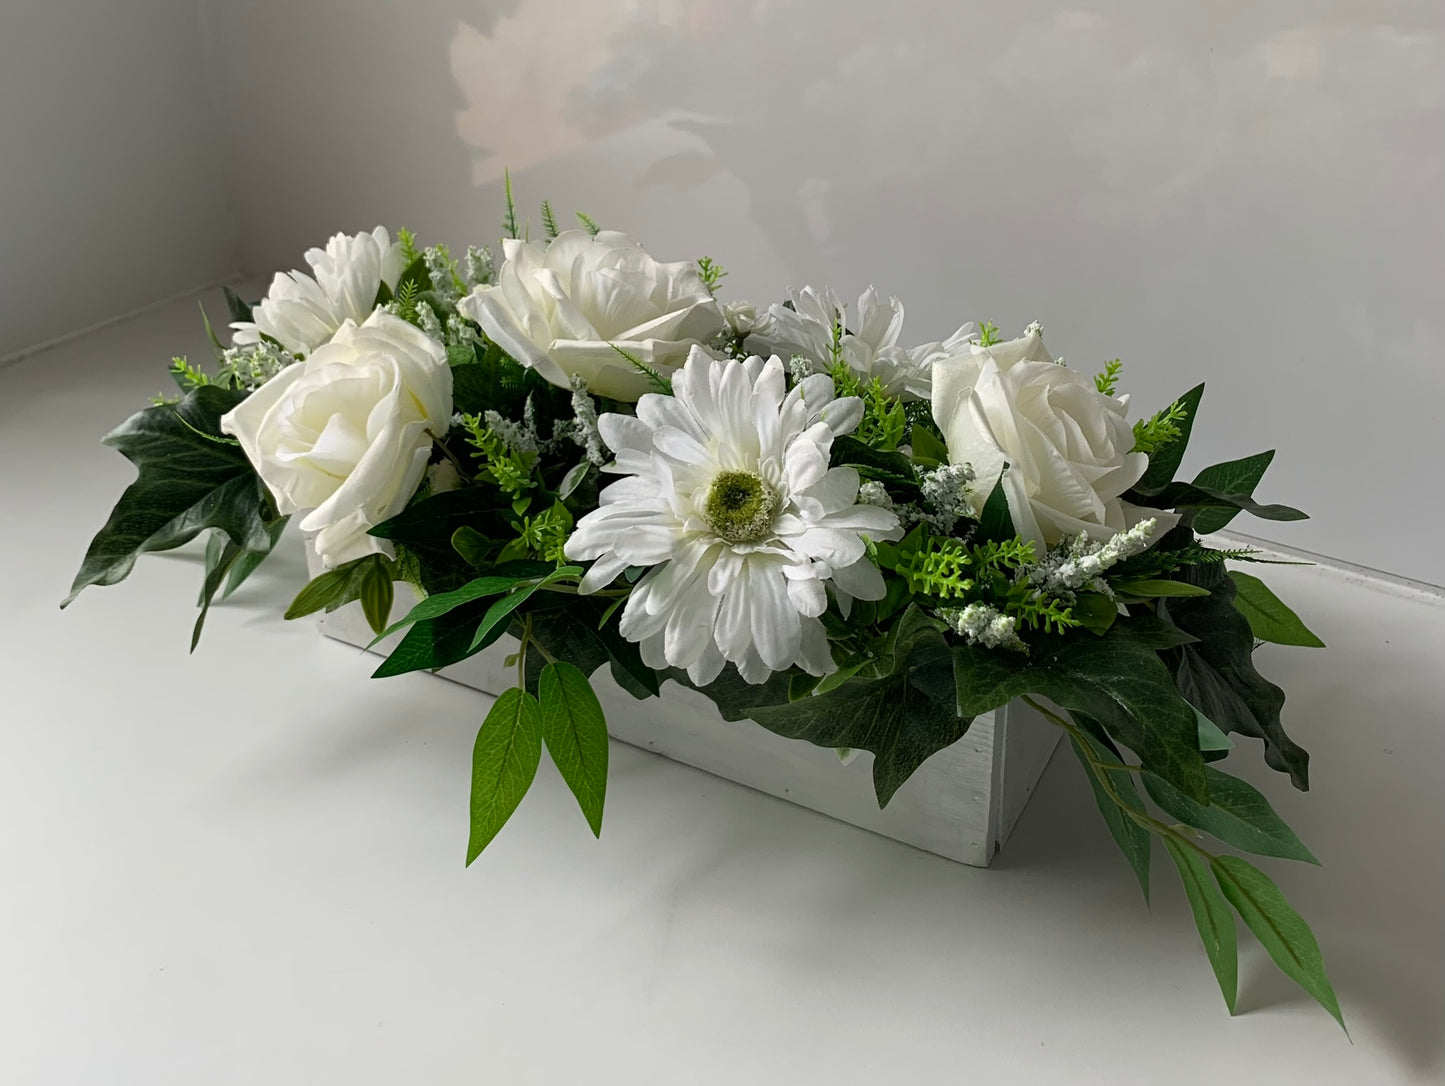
x: 567, y: 307
x: 345, y: 433
x: 301, y: 312
x: 730, y: 498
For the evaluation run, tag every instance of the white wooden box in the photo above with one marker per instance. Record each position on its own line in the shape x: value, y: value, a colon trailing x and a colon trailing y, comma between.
x: 961, y: 803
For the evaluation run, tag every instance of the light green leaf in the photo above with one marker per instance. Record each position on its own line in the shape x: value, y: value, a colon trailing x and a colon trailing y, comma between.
x: 1210, y: 736
x: 1236, y: 813
x: 1280, y: 930
x: 1269, y: 618
x: 337, y: 587
x: 575, y: 732
x: 837, y: 678
x: 1133, y: 839
x: 928, y: 450
x: 504, y: 763
x: 1152, y: 588
x: 1211, y: 916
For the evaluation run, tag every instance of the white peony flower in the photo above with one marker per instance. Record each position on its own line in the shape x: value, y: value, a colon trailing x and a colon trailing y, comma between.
x: 1067, y: 445
x: 869, y: 345
x: 344, y: 433
x: 730, y: 499
x: 301, y: 312
x: 566, y: 307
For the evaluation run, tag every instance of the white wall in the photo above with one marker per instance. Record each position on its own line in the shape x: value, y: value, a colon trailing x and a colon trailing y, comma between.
x: 111, y: 185
x: 1252, y: 194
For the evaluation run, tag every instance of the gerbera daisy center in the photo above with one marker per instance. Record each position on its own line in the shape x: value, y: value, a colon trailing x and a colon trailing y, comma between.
x: 739, y: 506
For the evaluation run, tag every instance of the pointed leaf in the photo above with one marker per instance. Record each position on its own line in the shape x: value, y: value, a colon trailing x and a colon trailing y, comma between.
x: 216, y: 570
x: 1166, y: 460
x: 995, y: 522
x: 248, y: 563
x: 1232, y: 477
x: 1280, y: 930
x: 504, y: 763
x: 376, y: 595
x: 1211, y: 916
x: 1270, y: 619
x: 1155, y: 588
x: 439, y: 604
x: 575, y: 732
x: 503, y: 608
x: 1133, y: 839
x: 1236, y: 813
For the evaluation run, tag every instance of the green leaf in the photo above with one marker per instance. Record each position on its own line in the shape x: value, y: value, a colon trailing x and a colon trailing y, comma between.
x: 377, y: 594
x: 1152, y: 588
x: 1211, y: 738
x: 472, y: 545
x: 1095, y: 611
x: 1133, y: 839
x: 1270, y: 619
x: 504, y: 763
x: 995, y: 523
x: 903, y: 717
x: 1211, y: 916
x: 443, y: 602
x: 1191, y: 496
x: 928, y: 450
x: 1117, y: 679
x: 337, y: 587
x: 1280, y: 930
x: 1165, y: 461
x: 248, y: 562
x: 891, y: 468
x: 417, y: 273
x: 575, y: 732
x: 191, y: 477
x: 436, y: 518
x: 436, y: 642
x: 573, y: 479
x: 217, y: 566
x: 500, y: 610
x: 1232, y: 477
x: 239, y: 310
x: 1217, y: 672
x: 1236, y: 813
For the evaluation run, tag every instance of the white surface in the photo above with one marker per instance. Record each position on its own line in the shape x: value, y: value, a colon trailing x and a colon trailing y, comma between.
x: 1252, y: 194
x: 961, y: 803
x: 246, y: 866
x: 111, y: 189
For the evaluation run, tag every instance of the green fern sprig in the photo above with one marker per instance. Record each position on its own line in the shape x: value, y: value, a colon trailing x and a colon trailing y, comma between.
x: 658, y: 382
x: 509, y: 469
x: 1108, y: 381
x: 509, y: 222
x: 988, y: 334
x: 589, y: 223
x: 712, y: 273
x: 407, y: 297
x: 549, y: 220
x: 409, y: 252
x: 1154, y: 433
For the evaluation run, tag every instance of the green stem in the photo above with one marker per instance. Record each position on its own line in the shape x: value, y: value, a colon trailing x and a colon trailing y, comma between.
x: 1101, y: 771
x: 572, y: 590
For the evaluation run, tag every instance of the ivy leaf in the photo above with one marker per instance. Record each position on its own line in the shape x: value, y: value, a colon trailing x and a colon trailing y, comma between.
x: 1217, y: 674
x: 903, y: 717
x: 191, y: 477
x: 1116, y: 679
x: 1270, y: 619
x: 1236, y: 813
x: 249, y: 560
x: 1192, y: 496
x: 504, y: 764
x: 1166, y: 460
x: 1133, y: 839
x: 1232, y: 477
x: 1211, y: 916
x: 575, y: 732
x: 1280, y: 930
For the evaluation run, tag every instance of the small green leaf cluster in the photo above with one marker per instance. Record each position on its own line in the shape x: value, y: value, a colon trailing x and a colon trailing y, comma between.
x: 502, y: 463
x: 1107, y: 381
x: 711, y: 272
x: 1159, y: 429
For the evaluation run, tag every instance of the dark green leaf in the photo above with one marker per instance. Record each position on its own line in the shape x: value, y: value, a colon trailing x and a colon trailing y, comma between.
x: 1211, y: 916
x: 995, y: 523
x: 1096, y: 611
x: 1270, y: 619
x: 1166, y: 460
x: 1151, y: 630
x: 1190, y: 496
x: 415, y: 272
x: 239, y: 309
x: 575, y: 732
x: 1280, y: 930
x: 217, y: 567
x: 504, y: 763
x: 1236, y: 813
x: 439, y: 604
x: 891, y: 468
x: 435, y: 642
x: 472, y: 545
x: 248, y: 562
x: 1133, y: 839
x: 191, y: 477
x: 1117, y: 679
x: 1217, y: 672
x: 434, y: 519
x: 1231, y: 477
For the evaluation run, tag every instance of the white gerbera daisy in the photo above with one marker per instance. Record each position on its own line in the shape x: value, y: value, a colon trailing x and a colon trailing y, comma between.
x: 729, y: 497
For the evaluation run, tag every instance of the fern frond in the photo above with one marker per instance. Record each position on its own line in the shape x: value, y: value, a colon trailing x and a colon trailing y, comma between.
x: 1108, y: 381
x: 549, y: 220
x: 589, y: 222
x: 658, y: 382
x: 1154, y: 433
x: 509, y: 224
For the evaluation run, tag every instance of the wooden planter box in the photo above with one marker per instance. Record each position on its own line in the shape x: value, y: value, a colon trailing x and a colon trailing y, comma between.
x: 962, y: 803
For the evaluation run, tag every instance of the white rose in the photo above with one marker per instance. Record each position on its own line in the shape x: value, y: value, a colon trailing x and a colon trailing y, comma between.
x: 560, y: 307
x: 344, y: 433
x: 1067, y: 446
x: 301, y: 312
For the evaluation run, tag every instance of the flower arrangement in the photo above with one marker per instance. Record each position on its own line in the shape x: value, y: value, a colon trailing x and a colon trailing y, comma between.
x: 847, y: 540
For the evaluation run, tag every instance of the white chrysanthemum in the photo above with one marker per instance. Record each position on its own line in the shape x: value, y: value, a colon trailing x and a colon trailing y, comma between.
x: 302, y: 312
x: 869, y: 344
x: 730, y: 498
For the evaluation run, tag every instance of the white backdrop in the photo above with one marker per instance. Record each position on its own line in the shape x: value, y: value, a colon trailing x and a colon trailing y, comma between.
x: 1251, y: 194
x: 112, y: 193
